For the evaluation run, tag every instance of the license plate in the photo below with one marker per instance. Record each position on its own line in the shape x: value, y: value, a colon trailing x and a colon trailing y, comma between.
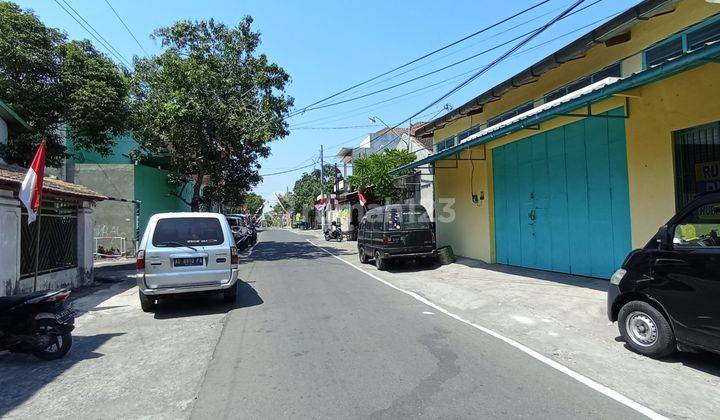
x: 188, y: 262
x: 65, y: 315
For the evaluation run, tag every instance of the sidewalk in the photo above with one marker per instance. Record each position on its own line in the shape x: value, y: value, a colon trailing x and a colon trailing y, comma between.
x: 562, y: 317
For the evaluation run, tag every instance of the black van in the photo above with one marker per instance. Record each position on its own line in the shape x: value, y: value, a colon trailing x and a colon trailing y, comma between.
x: 395, y: 232
x: 666, y: 296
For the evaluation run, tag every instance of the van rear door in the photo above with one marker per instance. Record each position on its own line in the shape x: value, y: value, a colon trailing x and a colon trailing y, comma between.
x: 187, y: 251
x: 408, y: 228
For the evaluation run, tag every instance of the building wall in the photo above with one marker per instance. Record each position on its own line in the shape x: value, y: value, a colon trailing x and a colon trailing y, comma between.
x: 9, y: 242
x: 682, y: 101
x: 644, y: 34
x: 112, y: 218
x: 151, y: 188
x: 3, y: 134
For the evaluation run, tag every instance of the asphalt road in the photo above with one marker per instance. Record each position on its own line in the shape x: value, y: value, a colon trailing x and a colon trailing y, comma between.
x: 315, y: 338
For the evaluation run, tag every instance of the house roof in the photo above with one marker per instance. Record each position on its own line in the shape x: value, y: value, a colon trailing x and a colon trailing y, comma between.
x: 616, y: 26
x: 13, y: 119
x: 12, y: 177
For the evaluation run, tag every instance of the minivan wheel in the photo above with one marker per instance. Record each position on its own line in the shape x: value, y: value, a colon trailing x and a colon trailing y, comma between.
x: 147, y: 303
x: 380, y: 262
x: 646, y: 330
x: 363, y: 255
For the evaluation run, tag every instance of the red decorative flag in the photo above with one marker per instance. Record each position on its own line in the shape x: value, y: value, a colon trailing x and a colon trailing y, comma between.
x: 320, y: 204
x: 31, y: 188
x: 362, y: 199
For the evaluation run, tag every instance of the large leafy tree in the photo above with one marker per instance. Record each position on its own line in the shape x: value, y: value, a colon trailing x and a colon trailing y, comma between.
x: 307, y: 188
x: 210, y: 104
x: 248, y: 203
x: 52, y: 83
x: 373, y: 171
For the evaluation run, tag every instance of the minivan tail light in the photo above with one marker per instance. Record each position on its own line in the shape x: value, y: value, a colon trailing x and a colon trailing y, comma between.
x: 432, y: 235
x: 140, y: 261
x: 386, y: 239
x: 233, y: 255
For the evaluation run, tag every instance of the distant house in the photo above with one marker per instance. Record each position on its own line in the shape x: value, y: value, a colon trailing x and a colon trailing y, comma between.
x: 143, y: 186
x: 66, y: 237
x: 416, y: 188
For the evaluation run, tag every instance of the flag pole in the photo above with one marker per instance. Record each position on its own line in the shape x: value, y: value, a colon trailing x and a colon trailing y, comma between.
x: 37, y: 243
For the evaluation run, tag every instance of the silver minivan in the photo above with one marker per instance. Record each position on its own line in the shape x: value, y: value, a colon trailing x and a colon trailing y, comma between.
x: 186, y: 252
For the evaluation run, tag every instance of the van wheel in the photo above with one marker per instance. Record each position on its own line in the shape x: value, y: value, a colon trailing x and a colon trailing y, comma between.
x: 646, y: 330
x: 363, y: 255
x: 380, y: 262
x: 147, y: 303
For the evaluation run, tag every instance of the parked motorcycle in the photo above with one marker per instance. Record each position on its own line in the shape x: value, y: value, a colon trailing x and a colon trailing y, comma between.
x: 333, y: 233
x: 39, y: 323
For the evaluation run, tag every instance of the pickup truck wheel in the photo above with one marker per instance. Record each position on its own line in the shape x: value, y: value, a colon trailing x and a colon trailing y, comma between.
x: 363, y: 256
x: 380, y: 262
x: 147, y: 303
x: 230, y: 294
x: 646, y: 330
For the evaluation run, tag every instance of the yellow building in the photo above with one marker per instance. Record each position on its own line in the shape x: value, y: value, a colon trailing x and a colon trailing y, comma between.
x: 571, y: 163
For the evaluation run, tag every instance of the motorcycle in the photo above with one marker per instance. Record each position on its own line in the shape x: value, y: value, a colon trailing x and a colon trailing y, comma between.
x: 334, y: 233
x: 39, y: 323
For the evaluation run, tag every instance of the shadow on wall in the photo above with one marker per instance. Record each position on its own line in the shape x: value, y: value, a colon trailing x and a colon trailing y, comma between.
x: 23, y: 375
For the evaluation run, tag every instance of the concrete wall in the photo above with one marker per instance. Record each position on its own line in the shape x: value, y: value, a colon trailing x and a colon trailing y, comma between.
x: 9, y: 242
x: 112, y: 218
x: 10, y: 282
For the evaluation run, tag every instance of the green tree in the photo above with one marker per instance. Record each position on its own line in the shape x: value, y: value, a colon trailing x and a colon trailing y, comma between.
x: 253, y: 202
x: 373, y: 171
x: 52, y: 83
x: 307, y: 188
x: 211, y: 104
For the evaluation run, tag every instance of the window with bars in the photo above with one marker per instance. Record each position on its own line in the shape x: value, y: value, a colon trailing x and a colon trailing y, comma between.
x: 58, y: 239
x: 697, y: 161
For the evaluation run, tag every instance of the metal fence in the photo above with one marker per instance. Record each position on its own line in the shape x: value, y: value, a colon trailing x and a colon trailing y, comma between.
x: 58, y: 239
x: 697, y: 161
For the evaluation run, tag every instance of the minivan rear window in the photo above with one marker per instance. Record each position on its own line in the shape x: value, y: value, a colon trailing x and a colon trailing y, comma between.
x: 232, y: 221
x: 406, y: 219
x: 178, y: 231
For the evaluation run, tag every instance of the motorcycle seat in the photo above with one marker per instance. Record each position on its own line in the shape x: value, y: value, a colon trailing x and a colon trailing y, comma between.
x: 9, y: 302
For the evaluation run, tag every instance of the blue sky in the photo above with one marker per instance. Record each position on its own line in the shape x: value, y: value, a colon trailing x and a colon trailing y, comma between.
x: 327, y: 46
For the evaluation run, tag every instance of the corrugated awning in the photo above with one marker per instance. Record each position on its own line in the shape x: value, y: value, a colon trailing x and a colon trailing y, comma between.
x: 572, y: 101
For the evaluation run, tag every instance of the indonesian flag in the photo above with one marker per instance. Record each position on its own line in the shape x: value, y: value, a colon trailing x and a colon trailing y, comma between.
x: 31, y: 188
x: 320, y: 204
x: 362, y: 199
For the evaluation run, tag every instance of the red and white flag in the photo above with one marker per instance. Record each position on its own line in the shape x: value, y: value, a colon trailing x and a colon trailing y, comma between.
x: 31, y: 188
x: 362, y: 199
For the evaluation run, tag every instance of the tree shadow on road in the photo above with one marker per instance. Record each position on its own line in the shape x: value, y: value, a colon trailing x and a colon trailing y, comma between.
x: 198, y: 304
x: 291, y: 250
x: 23, y: 374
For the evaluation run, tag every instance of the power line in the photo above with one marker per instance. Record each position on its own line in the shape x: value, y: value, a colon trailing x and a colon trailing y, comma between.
x: 104, y: 42
x: 347, y: 127
x: 126, y: 27
x: 487, y: 28
x: 430, y: 73
x: 289, y: 170
x: 494, y: 62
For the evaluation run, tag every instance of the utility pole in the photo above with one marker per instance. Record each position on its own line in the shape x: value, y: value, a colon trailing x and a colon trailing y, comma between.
x: 322, y: 190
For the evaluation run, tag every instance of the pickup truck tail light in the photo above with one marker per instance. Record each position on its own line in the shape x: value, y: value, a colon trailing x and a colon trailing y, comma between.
x: 233, y: 255
x: 432, y: 235
x: 386, y: 239
x: 140, y: 261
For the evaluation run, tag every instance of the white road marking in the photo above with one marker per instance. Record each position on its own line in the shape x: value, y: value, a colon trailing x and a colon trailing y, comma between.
x: 608, y: 392
x: 428, y: 313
